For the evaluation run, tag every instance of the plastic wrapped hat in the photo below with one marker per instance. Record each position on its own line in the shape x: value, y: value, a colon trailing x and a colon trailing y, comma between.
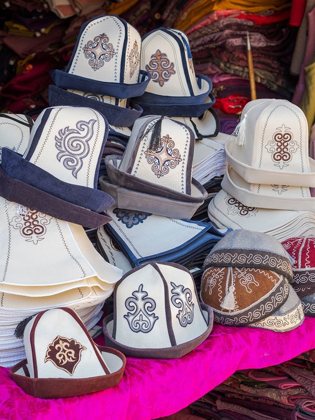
x: 63, y: 187
x: 175, y: 90
x: 15, y: 132
x: 157, y: 313
x: 155, y: 173
x: 63, y: 360
x: 269, y: 162
x: 105, y: 60
x: 246, y: 281
x: 302, y: 250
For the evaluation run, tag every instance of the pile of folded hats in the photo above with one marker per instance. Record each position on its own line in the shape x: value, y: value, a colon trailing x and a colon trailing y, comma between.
x: 302, y: 251
x: 284, y: 391
x: 42, y: 192
x: 104, y: 72
x: 269, y: 169
x: 247, y: 283
x: 146, y: 237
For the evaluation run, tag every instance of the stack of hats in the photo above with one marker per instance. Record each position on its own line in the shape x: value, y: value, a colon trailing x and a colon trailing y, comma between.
x: 15, y: 132
x: 272, y: 146
x: 52, y: 185
x: 246, y: 282
x: 225, y: 211
x: 104, y: 72
x: 155, y: 172
x: 302, y: 250
x: 157, y: 313
x: 269, y: 166
x: 147, y: 237
x: 177, y: 92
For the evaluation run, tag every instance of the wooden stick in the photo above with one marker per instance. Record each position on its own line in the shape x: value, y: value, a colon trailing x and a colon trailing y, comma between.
x: 251, y: 73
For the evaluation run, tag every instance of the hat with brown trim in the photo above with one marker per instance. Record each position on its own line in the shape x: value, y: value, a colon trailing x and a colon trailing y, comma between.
x: 62, y: 360
x: 246, y: 278
x: 157, y: 313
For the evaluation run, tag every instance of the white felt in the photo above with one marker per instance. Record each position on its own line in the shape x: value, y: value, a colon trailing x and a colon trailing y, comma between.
x: 13, y: 134
x: 198, y: 325
x: 152, y: 284
x: 114, y: 29
x: 70, y: 144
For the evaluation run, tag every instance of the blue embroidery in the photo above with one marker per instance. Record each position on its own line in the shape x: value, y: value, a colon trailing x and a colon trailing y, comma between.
x: 130, y: 218
x: 142, y: 318
x: 72, y: 145
x: 182, y: 299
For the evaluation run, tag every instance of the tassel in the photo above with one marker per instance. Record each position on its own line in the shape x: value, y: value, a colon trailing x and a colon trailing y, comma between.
x: 19, y: 330
x: 156, y: 135
x: 229, y: 300
x: 241, y: 132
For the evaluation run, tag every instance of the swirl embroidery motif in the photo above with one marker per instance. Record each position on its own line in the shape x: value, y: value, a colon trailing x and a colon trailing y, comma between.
x: 73, y: 145
x: 98, y: 51
x: 236, y: 208
x: 130, y: 218
x: 246, y: 279
x: 134, y: 59
x: 182, y: 299
x: 64, y: 353
x: 31, y: 224
x: 160, y: 68
x: 141, y: 318
x: 164, y: 158
x: 282, y: 147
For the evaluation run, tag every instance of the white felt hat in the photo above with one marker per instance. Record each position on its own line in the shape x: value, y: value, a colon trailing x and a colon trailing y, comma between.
x: 62, y: 359
x: 272, y: 145
x: 157, y: 313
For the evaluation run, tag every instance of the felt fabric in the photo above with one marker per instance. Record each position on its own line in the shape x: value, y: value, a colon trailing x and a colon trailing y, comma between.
x: 23, y: 170
x: 154, y: 388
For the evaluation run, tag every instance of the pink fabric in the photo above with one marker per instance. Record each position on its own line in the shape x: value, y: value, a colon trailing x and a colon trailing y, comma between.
x: 156, y: 388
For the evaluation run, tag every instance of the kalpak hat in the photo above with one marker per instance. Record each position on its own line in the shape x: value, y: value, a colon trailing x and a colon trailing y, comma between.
x: 15, y: 132
x: 157, y: 313
x: 155, y: 172
x: 62, y: 360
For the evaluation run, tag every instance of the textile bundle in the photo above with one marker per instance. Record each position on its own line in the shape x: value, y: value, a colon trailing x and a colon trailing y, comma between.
x: 284, y: 391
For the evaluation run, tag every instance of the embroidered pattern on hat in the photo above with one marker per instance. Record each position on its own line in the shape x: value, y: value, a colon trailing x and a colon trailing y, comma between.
x: 64, y: 353
x: 279, y: 188
x: 236, y: 208
x: 98, y: 51
x: 31, y: 225
x: 130, y: 218
x: 282, y: 146
x: 141, y: 318
x: 164, y: 158
x: 160, y: 68
x: 182, y: 299
x: 134, y: 59
x: 73, y: 145
x: 282, y: 322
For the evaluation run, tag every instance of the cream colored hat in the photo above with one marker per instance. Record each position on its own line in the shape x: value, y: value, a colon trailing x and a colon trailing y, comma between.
x: 272, y: 145
x: 63, y: 360
x: 157, y: 313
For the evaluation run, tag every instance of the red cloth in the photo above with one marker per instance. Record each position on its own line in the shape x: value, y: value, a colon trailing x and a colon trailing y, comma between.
x: 302, y: 250
x: 297, y: 12
x: 154, y: 388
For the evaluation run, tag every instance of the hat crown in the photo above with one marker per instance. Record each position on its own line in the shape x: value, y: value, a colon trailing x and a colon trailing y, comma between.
x: 243, y: 239
x: 166, y: 56
x: 156, y: 306
x: 275, y: 136
x: 302, y: 251
x: 108, y: 49
x: 161, y: 155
